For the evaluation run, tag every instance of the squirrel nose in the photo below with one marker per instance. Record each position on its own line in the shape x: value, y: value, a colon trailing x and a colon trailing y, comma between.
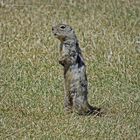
x: 52, y: 28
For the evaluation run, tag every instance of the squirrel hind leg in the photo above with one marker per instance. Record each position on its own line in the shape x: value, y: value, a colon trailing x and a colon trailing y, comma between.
x: 68, y: 104
x: 86, y: 109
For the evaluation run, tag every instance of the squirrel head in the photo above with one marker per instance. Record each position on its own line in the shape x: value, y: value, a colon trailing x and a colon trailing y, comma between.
x: 63, y: 32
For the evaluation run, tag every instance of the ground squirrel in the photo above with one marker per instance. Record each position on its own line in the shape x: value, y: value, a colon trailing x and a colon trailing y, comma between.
x: 74, y: 71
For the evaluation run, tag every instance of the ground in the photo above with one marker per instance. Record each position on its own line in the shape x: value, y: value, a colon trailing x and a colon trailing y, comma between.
x: 31, y: 80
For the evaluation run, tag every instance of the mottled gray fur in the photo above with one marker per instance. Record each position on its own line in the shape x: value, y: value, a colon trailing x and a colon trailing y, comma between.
x: 74, y: 71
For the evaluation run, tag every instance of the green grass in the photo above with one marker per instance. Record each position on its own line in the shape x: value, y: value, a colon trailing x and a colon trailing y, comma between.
x: 31, y: 80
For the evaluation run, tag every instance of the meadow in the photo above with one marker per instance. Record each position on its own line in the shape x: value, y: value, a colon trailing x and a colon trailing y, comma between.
x: 31, y: 80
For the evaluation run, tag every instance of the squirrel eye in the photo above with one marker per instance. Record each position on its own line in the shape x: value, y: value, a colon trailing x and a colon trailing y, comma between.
x: 62, y: 27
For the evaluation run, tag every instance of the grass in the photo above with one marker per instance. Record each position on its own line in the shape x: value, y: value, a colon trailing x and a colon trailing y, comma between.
x: 31, y: 80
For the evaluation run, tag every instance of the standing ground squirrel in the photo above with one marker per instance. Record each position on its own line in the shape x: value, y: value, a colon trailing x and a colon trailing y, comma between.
x: 74, y: 71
